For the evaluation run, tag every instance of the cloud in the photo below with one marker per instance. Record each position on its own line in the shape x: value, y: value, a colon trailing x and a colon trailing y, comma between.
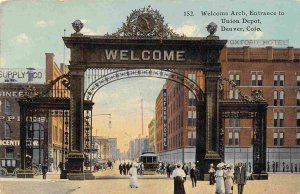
x: 2, y: 1
x: 253, y: 35
x: 298, y: 1
x: 87, y: 31
x: 22, y: 39
x: 43, y: 23
x: 188, y: 30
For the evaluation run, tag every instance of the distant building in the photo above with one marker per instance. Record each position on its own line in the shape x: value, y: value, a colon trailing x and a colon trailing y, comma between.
x: 151, y: 128
x: 112, y: 142
x: 137, y: 147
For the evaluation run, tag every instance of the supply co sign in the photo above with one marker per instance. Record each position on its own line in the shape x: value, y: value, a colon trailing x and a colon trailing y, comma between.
x: 28, y: 75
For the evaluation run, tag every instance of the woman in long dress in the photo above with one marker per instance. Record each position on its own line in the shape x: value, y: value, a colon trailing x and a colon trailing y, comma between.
x: 133, y: 176
x: 219, y: 177
x: 178, y: 176
x: 229, y: 176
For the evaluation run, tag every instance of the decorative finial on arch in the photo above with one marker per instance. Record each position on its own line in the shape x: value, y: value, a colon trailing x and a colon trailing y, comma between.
x: 212, y: 29
x: 77, y: 26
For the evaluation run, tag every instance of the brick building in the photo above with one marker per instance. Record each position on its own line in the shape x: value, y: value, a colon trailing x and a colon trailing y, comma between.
x: 13, y: 84
x: 54, y: 123
x: 275, y: 71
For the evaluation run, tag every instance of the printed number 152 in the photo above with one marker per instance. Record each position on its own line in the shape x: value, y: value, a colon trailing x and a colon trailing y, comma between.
x: 188, y: 13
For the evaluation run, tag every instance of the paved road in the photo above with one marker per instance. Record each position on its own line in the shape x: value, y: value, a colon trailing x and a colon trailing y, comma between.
x: 277, y: 184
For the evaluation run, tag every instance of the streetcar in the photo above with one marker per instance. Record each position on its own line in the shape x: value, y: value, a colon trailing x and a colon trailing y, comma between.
x: 150, y: 162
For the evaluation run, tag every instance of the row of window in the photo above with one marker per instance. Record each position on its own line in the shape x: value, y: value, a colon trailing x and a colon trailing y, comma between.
x: 37, y: 133
x: 257, y: 78
x: 278, y: 138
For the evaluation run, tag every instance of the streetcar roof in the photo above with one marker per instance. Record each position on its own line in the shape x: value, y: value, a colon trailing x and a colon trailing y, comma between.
x: 149, y: 154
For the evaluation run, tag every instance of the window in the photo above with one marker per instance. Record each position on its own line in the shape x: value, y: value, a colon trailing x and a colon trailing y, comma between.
x: 236, y: 137
x: 7, y: 107
x: 192, y: 76
x: 230, y: 138
x: 234, y: 92
x: 298, y: 119
x: 230, y: 122
x: 298, y: 98
x: 275, y: 139
x: 237, y: 122
x: 281, y: 138
x: 7, y: 133
x: 275, y: 118
x: 192, y: 99
x: 275, y: 79
x: 281, y: 96
x: 275, y: 96
x: 191, y: 118
x: 298, y: 138
x: 280, y: 119
x: 281, y: 82
x: 9, y: 153
x: 298, y: 80
x: 256, y: 78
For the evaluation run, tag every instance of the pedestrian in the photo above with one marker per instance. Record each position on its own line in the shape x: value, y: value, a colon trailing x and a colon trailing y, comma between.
x: 121, y: 168
x: 219, y: 177
x: 168, y: 170
x: 124, y: 168
x: 133, y: 183
x: 296, y: 169
x: 240, y: 177
x: 185, y: 170
x: 178, y: 176
x: 273, y: 166
x: 211, y: 172
x: 141, y: 169
x: 229, y: 177
x: 292, y: 167
x: 127, y: 168
x: 44, y: 170
x: 193, y: 175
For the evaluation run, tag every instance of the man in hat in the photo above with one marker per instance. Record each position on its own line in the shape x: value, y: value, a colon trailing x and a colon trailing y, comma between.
x: 240, y: 177
x: 178, y: 176
x: 193, y: 175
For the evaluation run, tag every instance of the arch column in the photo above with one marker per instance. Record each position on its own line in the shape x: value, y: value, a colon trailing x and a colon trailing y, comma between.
x: 208, y: 125
x: 76, y: 155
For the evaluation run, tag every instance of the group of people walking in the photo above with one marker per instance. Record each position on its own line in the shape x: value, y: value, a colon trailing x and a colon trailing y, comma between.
x: 226, y: 175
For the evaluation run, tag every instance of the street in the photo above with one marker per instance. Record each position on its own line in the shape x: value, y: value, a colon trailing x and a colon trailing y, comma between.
x: 111, y: 182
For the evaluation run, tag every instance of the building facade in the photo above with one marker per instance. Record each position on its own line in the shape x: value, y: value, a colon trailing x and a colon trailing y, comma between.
x: 151, y: 128
x: 274, y: 71
x: 55, y: 124
x: 14, y: 83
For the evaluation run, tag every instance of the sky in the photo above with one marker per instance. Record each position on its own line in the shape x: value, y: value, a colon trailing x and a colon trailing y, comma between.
x: 31, y: 28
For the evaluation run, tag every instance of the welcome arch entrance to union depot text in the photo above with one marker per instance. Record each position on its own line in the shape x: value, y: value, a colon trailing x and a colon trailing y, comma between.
x: 145, y: 46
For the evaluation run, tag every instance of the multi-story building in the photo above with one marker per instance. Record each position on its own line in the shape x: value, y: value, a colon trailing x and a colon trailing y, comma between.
x: 13, y: 84
x: 275, y: 71
x: 181, y: 120
x: 54, y: 123
x: 151, y: 128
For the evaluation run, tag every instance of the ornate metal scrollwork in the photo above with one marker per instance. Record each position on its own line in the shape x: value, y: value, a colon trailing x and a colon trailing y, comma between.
x: 145, y: 22
x: 164, y: 74
x: 256, y: 95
